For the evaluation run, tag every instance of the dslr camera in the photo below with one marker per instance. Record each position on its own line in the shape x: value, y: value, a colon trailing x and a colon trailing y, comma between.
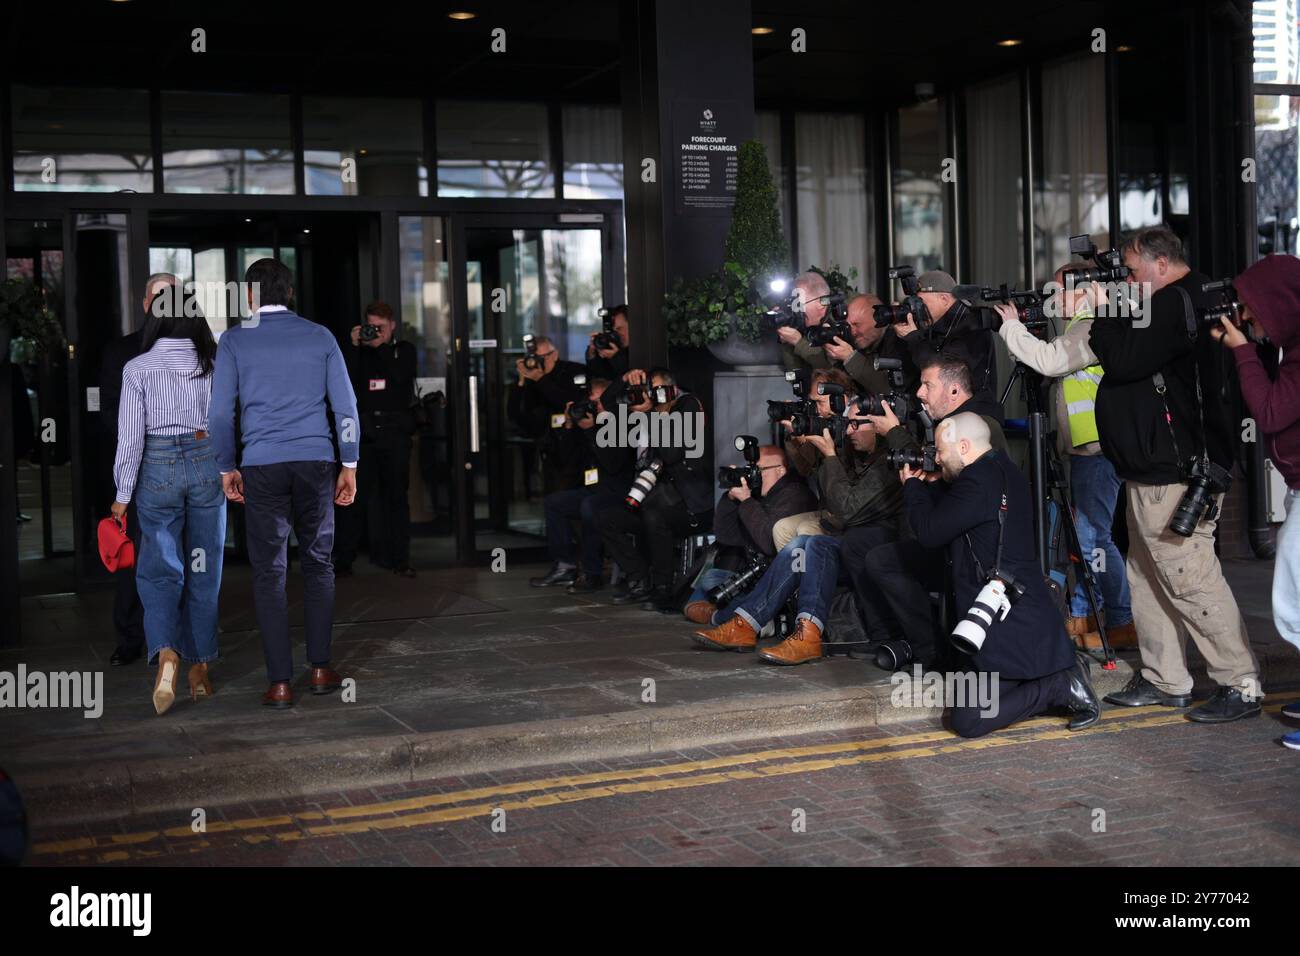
x: 922, y: 458
x: 835, y: 325
x: 799, y: 380
x: 531, y: 359
x: 992, y: 604
x: 1205, y: 479
x: 748, y: 474
x: 607, y: 338
x: 897, y: 398
x: 1228, y: 307
x: 368, y: 332
x: 1107, y: 266
x: 756, y: 563
x: 1028, y: 305
x: 587, y: 408
x: 886, y: 315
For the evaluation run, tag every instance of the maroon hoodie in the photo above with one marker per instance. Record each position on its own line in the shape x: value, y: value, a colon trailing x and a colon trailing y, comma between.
x: 1271, y: 287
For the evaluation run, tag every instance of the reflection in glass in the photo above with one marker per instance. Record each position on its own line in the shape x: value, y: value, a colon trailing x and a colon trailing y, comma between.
x: 67, y: 139
x: 994, y: 167
x: 1072, y: 198
x: 593, y: 152
x: 380, y: 141
x: 499, y: 151
x: 226, y: 143
x: 918, y: 190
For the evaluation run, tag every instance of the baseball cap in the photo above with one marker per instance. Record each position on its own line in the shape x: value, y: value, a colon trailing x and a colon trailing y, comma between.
x: 936, y: 280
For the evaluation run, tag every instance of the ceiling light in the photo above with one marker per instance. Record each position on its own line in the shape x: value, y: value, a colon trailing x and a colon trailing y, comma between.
x: 762, y: 31
x: 1123, y: 48
x: 462, y: 15
x: 1010, y: 41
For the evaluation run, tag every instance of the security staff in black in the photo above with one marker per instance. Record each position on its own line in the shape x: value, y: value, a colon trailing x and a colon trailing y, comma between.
x: 536, y: 404
x: 383, y: 376
x: 982, y: 513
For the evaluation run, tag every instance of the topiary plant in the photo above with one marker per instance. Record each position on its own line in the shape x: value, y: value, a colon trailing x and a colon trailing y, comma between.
x: 706, y: 310
x: 24, y: 316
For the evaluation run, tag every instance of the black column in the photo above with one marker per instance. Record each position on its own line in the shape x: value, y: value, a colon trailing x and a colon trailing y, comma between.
x: 687, y: 69
x: 11, y: 630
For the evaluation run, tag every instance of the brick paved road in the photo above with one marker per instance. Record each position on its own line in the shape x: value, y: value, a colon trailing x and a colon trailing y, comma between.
x: 1173, y: 793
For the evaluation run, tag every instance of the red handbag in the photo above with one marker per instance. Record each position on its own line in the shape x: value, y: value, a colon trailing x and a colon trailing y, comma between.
x: 115, y: 549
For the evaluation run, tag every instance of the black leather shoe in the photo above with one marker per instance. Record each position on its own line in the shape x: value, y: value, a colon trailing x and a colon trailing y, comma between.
x: 557, y: 575
x: 404, y: 571
x: 636, y: 592
x: 1085, y: 708
x: 661, y: 600
x: 1140, y: 692
x: 585, y: 585
x: 123, y: 656
x: 1226, y: 705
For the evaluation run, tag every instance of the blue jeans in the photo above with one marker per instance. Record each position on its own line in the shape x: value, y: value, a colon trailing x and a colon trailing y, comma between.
x: 709, y: 580
x: 183, y: 530
x: 819, y: 557
x: 1095, y: 489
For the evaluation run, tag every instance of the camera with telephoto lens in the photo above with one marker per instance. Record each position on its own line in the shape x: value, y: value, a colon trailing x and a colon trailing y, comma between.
x: 1108, y: 266
x: 734, y: 476
x: 993, y: 603
x: 531, y: 359
x: 368, y: 332
x: 1028, y: 305
x: 788, y: 312
x: 607, y: 338
x: 756, y: 564
x: 898, y: 398
x: 885, y: 314
x: 648, y: 471
x: 828, y: 331
x: 1228, y: 307
x: 657, y: 394
x: 894, y: 655
x: 922, y: 458
x: 1205, y: 479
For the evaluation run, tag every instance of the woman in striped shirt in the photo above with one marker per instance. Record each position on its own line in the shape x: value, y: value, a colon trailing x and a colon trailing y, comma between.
x: 164, y: 458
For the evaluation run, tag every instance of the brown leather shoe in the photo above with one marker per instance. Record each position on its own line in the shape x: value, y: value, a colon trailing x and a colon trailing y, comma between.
x: 200, y: 683
x: 325, y: 681
x: 804, y: 645
x: 735, y: 635
x: 164, y: 685
x: 278, y: 695
x: 700, y: 612
x: 1122, y: 638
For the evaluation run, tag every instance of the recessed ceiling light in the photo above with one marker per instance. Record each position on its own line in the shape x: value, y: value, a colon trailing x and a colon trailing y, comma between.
x: 361, y: 151
x: 248, y: 220
x: 1010, y: 41
x: 462, y: 15
x: 1123, y: 48
x: 306, y: 231
x: 761, y: 31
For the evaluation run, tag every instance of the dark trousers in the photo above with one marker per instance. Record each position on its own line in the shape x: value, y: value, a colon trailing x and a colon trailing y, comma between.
x: 297, y: 495
x: 382, y: 507
x: 658, y: 524
x: 904, y: 574
x: 581, y: 504
x: 1017, y: 700
x: 128, y: 611
x: 855, y: 544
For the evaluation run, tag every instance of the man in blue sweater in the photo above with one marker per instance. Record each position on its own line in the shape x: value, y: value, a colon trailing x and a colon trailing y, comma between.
x: 285, y: 376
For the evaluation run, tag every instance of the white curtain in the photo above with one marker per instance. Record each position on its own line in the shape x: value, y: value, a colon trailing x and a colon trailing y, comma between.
x: 1073, y: 198
x: 833, y: 204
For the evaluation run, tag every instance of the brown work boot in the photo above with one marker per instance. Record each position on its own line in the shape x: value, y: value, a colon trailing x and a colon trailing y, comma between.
x: 700, y: 612
x: 735, y: 635
x: 804, y: 645
x: 1122, y: 638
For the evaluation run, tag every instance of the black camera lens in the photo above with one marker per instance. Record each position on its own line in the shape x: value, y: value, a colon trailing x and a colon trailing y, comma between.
x: 894, y: 655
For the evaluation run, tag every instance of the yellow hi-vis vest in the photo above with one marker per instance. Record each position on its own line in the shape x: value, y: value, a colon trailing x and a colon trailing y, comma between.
x: 1079, y: 389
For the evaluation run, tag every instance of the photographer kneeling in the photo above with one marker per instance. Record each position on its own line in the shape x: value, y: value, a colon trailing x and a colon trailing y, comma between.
x: 859, y: 491
x: 1094, y: 486
x: 982, y: 513
x: 672, y: 495
x: 742, y: 525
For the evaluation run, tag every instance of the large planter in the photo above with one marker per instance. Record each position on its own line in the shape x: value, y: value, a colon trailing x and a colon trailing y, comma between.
x: 745, y: 355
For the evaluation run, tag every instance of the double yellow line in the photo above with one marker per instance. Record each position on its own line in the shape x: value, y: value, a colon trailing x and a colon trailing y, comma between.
x: 467, y: 804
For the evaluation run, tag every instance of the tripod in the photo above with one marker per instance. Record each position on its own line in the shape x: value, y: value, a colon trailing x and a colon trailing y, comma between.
x: 1047, y: 479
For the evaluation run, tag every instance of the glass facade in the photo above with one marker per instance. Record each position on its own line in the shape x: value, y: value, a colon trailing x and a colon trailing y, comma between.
x: 1277, y: 131
x: 593, y: 152
x: 78, y: 140
x: 226, y: 143
x: 919, y: 151
x: 831, y: 192
x: 363, y: 147
x: 494, y: 149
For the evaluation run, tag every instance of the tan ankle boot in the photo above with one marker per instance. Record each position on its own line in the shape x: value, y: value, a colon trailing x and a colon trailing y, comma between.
x: 803, y: 645
x: 735, y: 635
x: 164, y: 685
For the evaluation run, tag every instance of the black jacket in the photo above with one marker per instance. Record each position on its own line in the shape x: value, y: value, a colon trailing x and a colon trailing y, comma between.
x: 1130, y: 415
x: 608, y: 368
x: 1031, y: 642
x: 115, y: 356
x: 749, y: 523
x: 953, y: 335
x: 858, y: 490
x: 615, y: 466
x: 383, y: 378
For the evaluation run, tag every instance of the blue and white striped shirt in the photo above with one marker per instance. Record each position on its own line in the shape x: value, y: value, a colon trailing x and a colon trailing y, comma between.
x: 161, y: 395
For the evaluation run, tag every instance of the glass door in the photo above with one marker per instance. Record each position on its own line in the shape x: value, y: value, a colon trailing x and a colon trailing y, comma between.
x: 520, y: 275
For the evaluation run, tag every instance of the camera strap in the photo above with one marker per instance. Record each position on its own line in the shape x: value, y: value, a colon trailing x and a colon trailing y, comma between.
x: 1189, y: 316
x: 1002, y: 527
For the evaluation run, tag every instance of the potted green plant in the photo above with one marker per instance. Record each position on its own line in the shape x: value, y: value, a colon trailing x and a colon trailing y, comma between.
x: 26, y: 322
x: 724, y: 310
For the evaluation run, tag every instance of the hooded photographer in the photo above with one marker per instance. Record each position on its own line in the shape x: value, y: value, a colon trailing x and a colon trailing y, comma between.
x: 1269, y: 293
